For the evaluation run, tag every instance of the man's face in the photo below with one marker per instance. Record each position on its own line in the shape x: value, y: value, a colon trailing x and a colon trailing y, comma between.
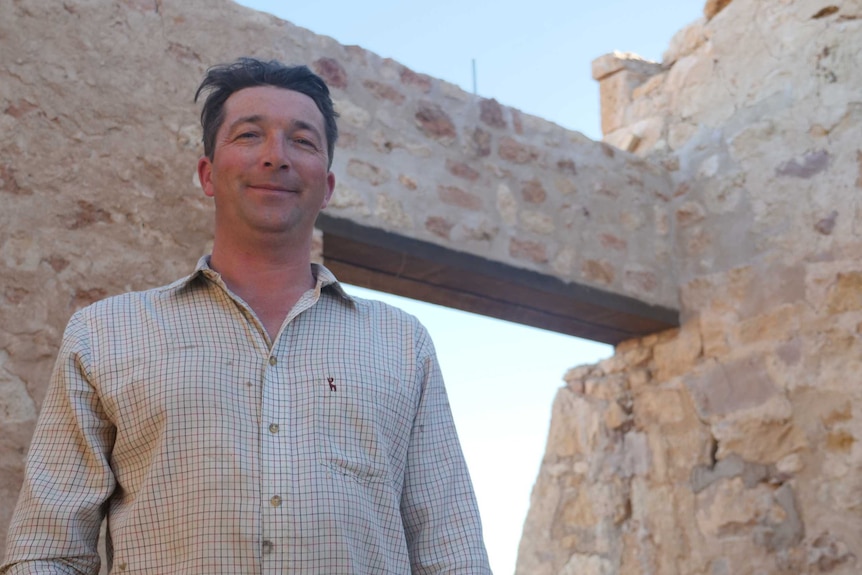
x: 269, y: 173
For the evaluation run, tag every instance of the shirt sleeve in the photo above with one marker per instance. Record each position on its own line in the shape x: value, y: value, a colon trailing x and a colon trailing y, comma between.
x: 438, y: 506
x: 55, y: 527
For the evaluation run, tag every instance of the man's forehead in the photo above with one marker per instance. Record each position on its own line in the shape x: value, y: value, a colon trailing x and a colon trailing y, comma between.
x: 266, y: 94
x: 271, y: 106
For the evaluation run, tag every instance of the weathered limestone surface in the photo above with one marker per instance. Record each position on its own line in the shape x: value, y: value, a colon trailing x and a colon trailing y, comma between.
x: 100, y: 140
x: 730, y: 445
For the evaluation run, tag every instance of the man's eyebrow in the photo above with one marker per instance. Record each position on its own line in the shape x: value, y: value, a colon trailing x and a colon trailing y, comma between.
x: 253, y: 119
x: 303, y: 125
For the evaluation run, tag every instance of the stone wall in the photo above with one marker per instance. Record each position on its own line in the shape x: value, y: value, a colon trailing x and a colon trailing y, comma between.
x: 730, y: 445
x: 727, y: 446
x: 101, y: 139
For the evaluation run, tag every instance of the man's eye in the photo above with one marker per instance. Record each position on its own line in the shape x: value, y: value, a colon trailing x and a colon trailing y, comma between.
x: 247, y: 135
x: 304, y: 142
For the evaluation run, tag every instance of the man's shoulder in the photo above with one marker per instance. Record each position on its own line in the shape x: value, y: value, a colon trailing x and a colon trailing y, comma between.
x: 382, y: 310
x: 384, y: 320
x: 136, y: 299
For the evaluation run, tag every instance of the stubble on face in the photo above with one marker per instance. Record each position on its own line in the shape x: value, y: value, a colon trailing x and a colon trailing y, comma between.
x: 269, y: 172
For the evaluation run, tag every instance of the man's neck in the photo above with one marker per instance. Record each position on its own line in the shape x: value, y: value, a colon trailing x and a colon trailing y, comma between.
x: 270, y: 281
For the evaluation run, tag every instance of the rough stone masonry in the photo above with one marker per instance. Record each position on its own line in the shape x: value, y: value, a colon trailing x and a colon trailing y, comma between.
x: 101, y: 138
x: 728, y: 185
x: 731, y: 445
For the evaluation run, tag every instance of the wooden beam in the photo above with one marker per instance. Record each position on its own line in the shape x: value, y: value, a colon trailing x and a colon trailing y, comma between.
x: 388, y: 262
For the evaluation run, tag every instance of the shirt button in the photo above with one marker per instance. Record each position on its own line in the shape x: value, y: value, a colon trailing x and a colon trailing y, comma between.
x: 272, y: 360
x: 273, y: 428
x: 275, y: 501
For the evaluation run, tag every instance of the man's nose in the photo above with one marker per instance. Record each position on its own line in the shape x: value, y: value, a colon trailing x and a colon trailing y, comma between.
x: 276, y: 153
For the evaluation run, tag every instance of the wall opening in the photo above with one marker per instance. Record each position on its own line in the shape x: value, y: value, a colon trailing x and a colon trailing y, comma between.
x: 501, y: 378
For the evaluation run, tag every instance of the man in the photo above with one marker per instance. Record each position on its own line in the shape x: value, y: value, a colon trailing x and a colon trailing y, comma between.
x: 252, y: 417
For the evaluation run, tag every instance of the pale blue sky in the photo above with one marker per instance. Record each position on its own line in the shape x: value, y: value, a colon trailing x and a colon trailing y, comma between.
x: 534, y: 56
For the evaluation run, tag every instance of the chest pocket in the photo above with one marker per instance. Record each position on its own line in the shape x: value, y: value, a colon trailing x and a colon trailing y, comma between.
x: 363, y: 422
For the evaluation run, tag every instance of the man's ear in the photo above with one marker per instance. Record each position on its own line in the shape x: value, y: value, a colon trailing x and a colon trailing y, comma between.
x: 205, y: 169
x: 330, y: 186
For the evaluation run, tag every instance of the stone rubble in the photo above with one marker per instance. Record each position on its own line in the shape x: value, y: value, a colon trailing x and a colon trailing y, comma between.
x: 732, y: 444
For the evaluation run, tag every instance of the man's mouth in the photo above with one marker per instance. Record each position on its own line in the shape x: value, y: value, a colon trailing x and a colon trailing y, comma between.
x: 271, y: 187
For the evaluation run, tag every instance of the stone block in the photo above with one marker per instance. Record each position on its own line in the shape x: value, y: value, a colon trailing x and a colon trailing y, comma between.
x: 640, y: 281
x: 479, y: 143
x: 615, y: 94
x: 598, y: 271
x: 637, y: 459
x: 640, y: 137
x: 754, y: 293
x: 391, y: 211
x: 457, y: 197
x: 685, y: 42
x: 619, y: 75
x: 347, y: 198
x: 658, y: 406
x: 617, y: 363
x: 439, y: 226
x: 533, y: 191
x: 351, y: 114
x: 615, y: 417
x: 846, y: 293
x: 577, y: 375
x: 608, y: 388
x: 638, y: 378
x: 628, y: 345
x: 578, y: 511
x: 538, y: 222
x: 507, y: 205
x: 760, y: 434
x: 774, y: 325
x: 713, y: 7
x: 517, y: 152
x: 830, y: 553
x: 576, y: 426
x: 422, y: 82
x: 614, y: 62
x: 677, y: 355
x: 623, y: 137
x: 475, y: 227
x: 580, y: 564
x: 434, y: 122
x: 462, y: 170
x: 491, y: 113
x: 523, y: 249
x: 367, y: 172
x: 331, y: 71
x: 407, y: 182
x: 384, y: 91
x: 715, y: 327
x: 720, y: 388
x: 730, y: 509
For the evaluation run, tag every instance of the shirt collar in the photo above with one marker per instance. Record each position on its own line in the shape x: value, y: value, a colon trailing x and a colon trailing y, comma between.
x: 322, y: 276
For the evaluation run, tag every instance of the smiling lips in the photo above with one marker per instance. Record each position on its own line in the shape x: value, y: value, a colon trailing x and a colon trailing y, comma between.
x: 271, y: 187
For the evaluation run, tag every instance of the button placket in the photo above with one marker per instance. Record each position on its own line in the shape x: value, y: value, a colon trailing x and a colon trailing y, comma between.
x: 274, y: 451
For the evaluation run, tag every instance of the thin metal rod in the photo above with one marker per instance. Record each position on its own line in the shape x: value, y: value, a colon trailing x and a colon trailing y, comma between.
x: 474, y: 76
